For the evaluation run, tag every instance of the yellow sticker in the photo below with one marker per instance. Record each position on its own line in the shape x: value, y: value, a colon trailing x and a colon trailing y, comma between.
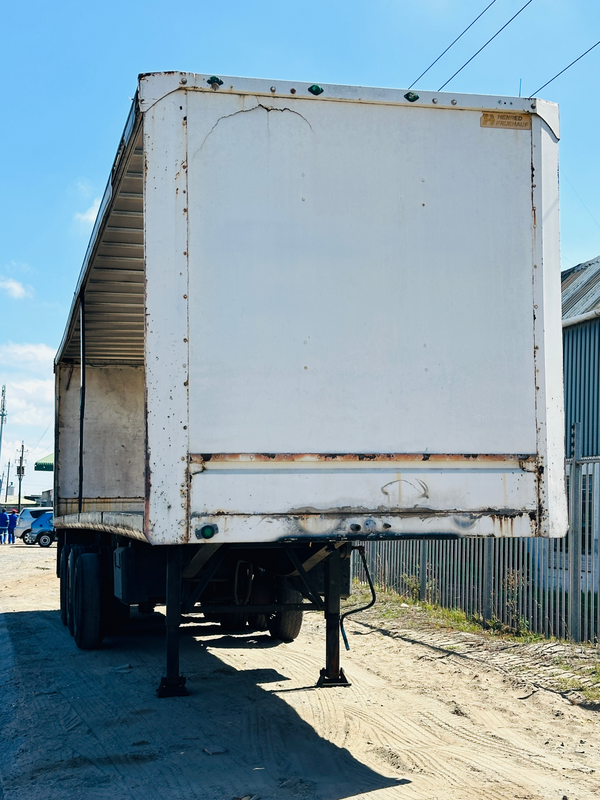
x: 502, y: 119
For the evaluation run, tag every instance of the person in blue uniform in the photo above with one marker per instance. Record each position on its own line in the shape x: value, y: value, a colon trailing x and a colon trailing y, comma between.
x: 12, y: 524
x: 3, y: 527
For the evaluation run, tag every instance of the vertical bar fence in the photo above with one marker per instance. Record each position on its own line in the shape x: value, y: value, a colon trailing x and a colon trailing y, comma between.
x: 543, y: 586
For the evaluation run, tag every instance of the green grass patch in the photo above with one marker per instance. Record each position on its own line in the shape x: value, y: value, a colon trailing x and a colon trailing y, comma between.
x: 391, y: 606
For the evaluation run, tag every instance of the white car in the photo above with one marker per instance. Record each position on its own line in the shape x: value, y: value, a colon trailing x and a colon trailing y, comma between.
x: 27, y: 517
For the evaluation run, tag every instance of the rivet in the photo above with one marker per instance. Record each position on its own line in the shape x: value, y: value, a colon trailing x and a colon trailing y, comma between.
x: 453, y: 102
x: 183, y: 80
x: 273, y: 88
x: 292, y: 91
x: 434, y: 100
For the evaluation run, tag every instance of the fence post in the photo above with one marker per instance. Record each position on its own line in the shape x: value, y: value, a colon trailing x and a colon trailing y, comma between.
x: 487, y: 581
x: 423, y: 571
x: 575, y: 491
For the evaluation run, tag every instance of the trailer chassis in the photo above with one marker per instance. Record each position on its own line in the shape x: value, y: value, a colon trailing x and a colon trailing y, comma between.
x: 319, y: 581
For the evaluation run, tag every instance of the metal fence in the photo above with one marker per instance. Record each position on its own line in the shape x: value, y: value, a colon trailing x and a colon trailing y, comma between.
x: 546, y: 586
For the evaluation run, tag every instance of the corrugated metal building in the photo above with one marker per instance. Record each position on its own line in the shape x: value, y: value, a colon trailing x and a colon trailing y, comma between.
x: 581, y: 343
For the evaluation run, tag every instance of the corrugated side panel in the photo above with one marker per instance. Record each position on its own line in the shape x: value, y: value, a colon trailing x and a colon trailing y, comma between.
x: 581, y: 345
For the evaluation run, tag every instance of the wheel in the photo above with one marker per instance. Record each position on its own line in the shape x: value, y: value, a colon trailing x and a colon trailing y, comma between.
x: 286, y: 624
x: 258, y: 622
x: 118, y: 615
x: 74, y: 553
x: 44, y: 539
x: 28, y: 537
x: 114, y: 612
x: 262, y: 595
x: 87, y: 602
x: 233, y: 622
x: 64, y: 582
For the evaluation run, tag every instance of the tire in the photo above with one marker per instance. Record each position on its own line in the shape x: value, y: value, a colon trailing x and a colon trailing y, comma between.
x: 234, y: 622
x: 74, y: 553
x: 28, y: 538
x: 64, y: 582
x: 87, y: 602
x: 44, y: 539
x: 286, y: 624
x: 262, y: 595
x: 114, y: 612
x: 120, y: 614
x: 258, y: 622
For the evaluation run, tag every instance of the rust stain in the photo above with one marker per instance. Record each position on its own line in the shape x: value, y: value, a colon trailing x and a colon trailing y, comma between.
x: 452, y: 458
x: 422, y: 512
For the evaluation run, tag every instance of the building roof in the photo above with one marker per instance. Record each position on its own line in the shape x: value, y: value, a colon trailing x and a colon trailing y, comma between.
x: 581, y: 289
x: 45, y: 464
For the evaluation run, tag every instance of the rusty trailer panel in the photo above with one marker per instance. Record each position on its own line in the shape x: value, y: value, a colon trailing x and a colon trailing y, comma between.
x: 340, y: 458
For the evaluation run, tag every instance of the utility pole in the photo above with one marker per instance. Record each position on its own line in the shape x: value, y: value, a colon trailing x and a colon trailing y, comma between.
x: 2, y: 419
x: 21, y: 472
x: 7, y: 482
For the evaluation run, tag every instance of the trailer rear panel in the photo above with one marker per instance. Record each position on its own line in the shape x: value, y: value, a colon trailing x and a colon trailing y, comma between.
x: 331, y: 316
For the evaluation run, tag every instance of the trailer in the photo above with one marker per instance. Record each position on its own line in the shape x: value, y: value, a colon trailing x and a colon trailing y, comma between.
x: 309, y: 315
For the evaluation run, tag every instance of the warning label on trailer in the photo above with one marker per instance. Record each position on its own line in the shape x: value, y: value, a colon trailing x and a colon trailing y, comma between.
x: 501, y: 119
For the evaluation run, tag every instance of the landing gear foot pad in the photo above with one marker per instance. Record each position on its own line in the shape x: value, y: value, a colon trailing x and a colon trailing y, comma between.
x: 325, y: 681
x: 170, y: 688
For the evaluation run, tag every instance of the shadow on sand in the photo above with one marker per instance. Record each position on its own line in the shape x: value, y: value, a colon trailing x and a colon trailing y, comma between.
x: 101, y: 706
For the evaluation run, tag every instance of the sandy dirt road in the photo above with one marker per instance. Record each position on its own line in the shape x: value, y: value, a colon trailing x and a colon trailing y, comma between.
x: 420, y: 720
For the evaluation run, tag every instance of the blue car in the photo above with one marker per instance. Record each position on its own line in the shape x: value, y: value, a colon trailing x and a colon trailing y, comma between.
x: 42, y: 530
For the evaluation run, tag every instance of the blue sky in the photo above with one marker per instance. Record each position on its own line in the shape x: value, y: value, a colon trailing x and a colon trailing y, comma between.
x: 69, y: 70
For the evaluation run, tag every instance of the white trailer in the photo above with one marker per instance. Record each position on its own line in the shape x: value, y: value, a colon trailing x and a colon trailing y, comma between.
x: 308, y: 315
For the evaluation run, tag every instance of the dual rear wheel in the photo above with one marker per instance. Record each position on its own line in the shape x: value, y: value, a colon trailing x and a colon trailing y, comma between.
x: 89, y: 609
x: 87, y: 603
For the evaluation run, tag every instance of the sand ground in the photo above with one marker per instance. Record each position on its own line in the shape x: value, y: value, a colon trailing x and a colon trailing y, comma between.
x: 430, y: 713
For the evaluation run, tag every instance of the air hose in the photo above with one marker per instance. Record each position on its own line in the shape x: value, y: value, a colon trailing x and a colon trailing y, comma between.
x: 361, y: 550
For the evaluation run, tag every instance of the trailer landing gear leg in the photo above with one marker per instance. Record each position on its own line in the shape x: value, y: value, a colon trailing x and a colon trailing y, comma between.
x: 173, y: 685
x: 332, y: 674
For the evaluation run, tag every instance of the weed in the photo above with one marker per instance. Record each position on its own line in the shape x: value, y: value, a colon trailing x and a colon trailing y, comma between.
x: 413, y: 584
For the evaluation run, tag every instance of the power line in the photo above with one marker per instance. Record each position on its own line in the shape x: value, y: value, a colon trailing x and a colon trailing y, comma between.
x: 485, y: 45
x: 452, y: 45
x: 33, y: 446
x: 563, y: 174
x: 564, y: 70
